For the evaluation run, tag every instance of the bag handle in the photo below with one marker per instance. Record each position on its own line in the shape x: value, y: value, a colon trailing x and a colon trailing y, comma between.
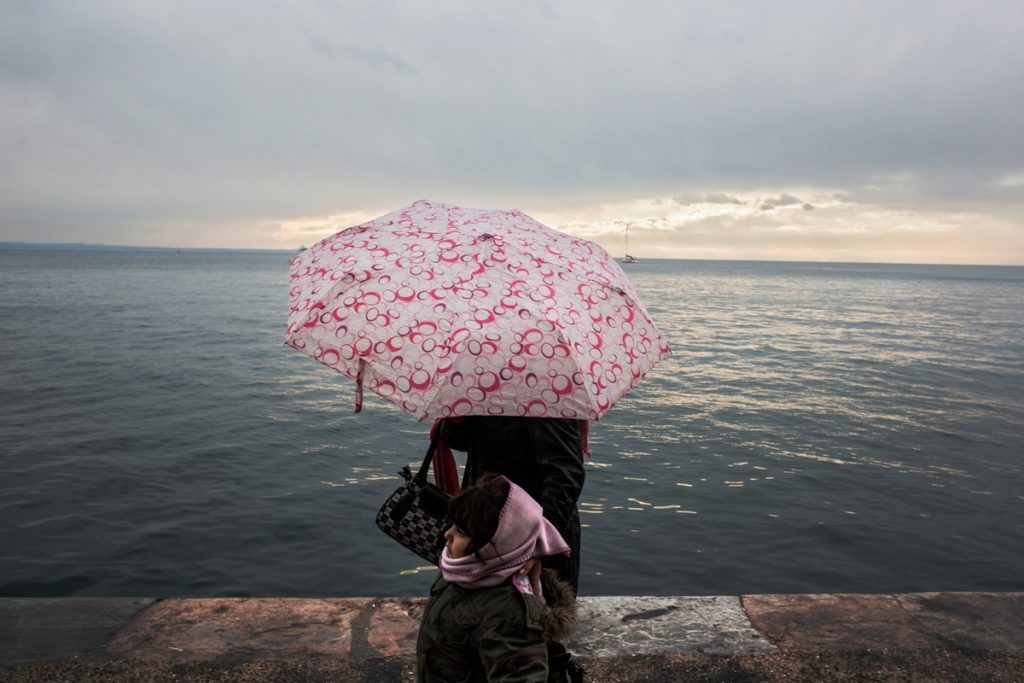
x: 421, y: 475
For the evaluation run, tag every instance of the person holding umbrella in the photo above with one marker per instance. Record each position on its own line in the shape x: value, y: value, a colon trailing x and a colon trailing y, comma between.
x: 513, y: 333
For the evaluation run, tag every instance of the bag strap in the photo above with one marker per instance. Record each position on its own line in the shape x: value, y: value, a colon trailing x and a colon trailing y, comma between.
x: 425, y: 467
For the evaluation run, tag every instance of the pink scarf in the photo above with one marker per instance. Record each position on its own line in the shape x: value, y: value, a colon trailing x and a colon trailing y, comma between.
x: 522, y: 534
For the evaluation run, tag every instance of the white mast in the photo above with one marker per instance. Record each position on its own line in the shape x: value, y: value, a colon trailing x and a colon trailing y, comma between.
x: 626, y: 258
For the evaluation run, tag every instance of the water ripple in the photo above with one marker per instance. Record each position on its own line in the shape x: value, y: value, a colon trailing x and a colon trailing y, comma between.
x: 819, y: 427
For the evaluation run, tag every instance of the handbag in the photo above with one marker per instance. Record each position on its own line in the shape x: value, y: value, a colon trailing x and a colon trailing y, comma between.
x: 416, y: 514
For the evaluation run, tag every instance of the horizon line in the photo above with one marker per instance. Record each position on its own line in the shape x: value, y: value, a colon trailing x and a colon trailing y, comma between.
x: 100, y: 246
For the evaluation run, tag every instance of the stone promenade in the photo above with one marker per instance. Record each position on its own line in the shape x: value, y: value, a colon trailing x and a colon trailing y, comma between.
x: 905, y: 637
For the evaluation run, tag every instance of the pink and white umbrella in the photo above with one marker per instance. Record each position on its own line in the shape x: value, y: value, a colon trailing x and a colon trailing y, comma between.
x: 450, y: 311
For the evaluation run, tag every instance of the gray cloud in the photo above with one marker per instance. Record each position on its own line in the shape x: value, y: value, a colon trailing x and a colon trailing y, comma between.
x: 375, y: 58
x: 708, y: 198
x: 841, y: 231
x: 132, y: 113
x: 782, y: 200
x: 721, y: 198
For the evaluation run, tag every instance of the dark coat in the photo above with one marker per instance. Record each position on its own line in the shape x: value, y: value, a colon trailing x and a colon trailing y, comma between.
x: 491, y: 634
x: 542, y: 455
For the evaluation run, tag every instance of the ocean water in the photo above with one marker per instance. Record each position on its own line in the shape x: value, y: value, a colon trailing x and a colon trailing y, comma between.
x: 819, y: 427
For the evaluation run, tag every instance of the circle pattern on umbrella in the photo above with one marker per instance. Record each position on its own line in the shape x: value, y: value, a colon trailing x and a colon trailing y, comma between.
x: 449, y: 311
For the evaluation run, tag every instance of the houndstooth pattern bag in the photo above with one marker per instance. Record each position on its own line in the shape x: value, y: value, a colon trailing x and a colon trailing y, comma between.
x: 416, y: 514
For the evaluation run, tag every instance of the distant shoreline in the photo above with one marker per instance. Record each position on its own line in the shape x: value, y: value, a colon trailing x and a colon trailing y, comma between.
x: 83, y: 246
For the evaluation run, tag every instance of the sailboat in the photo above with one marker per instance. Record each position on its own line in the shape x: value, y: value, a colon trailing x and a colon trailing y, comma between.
x: 626, y: 258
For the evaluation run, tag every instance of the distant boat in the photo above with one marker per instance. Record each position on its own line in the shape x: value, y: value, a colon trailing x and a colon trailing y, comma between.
x: 626, y: 258
x: 302, y: 248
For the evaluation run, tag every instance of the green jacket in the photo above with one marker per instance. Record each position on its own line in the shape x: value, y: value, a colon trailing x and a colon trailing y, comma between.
x: 490, y: 634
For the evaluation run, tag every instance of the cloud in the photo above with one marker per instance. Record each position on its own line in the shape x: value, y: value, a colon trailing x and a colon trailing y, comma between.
x: 132, y: 116
x: 1011, y: 180
x: 309, y: 229
x: 839, y: 228
x: 781, y: 200
x: 375, y: 58
x: 720, y: 198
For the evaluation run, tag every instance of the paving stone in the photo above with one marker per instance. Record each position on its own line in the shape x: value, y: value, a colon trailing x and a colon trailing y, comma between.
x: 242, y: 628
x: 394, y: 626
x: 973, y: 621
x: 834, y: 622
x: 649, y: 625
x: 43, y: 629
x: 837, y: 622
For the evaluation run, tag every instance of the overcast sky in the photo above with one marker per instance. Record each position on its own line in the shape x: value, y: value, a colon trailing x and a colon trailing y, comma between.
x: 809, y: 130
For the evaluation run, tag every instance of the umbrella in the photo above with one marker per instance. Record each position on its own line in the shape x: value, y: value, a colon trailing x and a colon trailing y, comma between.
x: 449, y: 311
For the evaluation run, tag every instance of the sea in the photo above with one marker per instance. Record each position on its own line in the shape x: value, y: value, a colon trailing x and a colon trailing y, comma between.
x: 819, y: 427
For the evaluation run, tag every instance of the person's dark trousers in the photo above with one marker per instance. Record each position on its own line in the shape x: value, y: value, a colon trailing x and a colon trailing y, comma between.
x: 568, y: 567
x: 562, y: 668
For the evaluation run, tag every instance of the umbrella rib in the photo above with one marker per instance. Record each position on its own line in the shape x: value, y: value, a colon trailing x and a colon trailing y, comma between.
x: 570, y: 342
x: 435, y: 386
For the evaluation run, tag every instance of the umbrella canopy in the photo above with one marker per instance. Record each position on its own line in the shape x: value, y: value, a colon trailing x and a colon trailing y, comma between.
x: 449, y: 311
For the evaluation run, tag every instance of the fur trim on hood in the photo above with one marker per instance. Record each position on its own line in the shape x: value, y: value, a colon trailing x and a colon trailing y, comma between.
x: 560, y: 612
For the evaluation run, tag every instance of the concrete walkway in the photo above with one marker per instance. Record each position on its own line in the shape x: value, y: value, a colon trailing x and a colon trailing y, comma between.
x: 919, y: 636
